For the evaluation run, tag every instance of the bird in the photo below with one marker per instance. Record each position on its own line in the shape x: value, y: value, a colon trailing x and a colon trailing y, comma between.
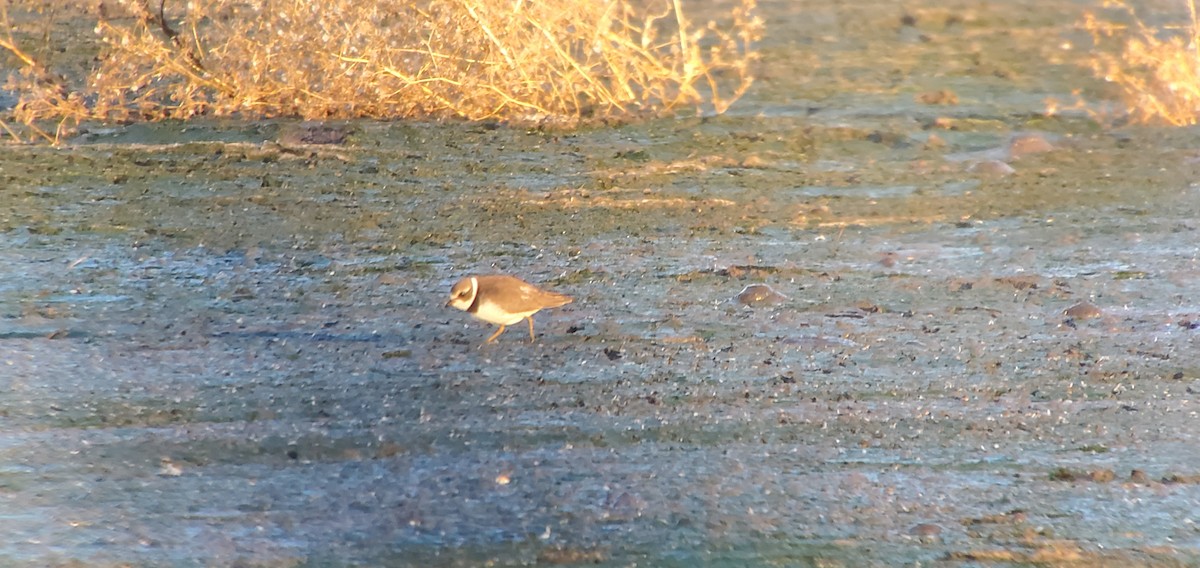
x: 503, y: 300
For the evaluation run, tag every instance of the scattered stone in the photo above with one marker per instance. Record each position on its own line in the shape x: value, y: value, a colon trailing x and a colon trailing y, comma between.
x: 1083, y: 311
x: 1012, y: 517
x: 754, y: 162
x: 571, y: 555
x: 738, y: 271
x: 995, y: 168
x: 1098, y: 476
x: 759, y: 295
x: 386, y: 279
x: 868, y: 307
x: 313, y: 133
x: 388, y: 450
x: 1062, y: 474
x: 623, y: 506
x: 925, y: 530
x: 1019, y: 282
x: 938, y: 97
x: 1027, y: 144
x: 169, y: 468
x: 960, y: 284
x: 1130, y: 275
x: 1180, y: 478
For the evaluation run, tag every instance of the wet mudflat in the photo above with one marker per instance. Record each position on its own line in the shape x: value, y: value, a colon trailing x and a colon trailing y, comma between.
x: 222, y: 346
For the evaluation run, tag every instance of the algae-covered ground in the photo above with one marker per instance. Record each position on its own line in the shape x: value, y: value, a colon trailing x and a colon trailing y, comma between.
x: 222, y: 346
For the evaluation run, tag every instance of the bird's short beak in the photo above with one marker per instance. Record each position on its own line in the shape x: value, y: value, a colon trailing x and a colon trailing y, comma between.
x: 448, y: 303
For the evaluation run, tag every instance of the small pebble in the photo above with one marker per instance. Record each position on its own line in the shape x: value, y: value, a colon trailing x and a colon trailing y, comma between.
x: 169, y: 468
x: 758, y: 295
x: 991, y: 168
x: 313, y: 133
x: 1082, y: 311
x: 939, y: 97
x: 925, y: 529
x: 754, y: 162
x: 1026, y: 144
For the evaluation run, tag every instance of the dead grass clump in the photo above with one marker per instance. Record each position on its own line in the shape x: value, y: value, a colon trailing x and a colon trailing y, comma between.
x: 528, y: 61
x: 1157, y: 69
x: 33, y: 77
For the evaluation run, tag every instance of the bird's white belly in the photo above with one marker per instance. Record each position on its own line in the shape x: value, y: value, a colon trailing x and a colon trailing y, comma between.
x: 492, y: 313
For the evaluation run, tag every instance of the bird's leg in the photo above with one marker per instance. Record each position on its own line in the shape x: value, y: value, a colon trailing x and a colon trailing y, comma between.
x: 495, y: 335
x: 530, y: 318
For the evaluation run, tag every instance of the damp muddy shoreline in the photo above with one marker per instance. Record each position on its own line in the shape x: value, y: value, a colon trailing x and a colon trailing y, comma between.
x: 219, y: 346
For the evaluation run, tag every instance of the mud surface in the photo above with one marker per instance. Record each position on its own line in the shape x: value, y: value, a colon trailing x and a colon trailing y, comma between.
x: 220, y: 345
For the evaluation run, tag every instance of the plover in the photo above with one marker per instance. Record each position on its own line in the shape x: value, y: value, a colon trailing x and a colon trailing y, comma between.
x: 503, y: 300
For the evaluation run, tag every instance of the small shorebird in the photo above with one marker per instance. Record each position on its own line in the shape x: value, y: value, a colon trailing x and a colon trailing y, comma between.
x: 502, y: 300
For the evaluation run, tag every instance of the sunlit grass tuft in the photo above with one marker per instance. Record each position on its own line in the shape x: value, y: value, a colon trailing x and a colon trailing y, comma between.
x: 1157, y: 69
x: 556, y: 62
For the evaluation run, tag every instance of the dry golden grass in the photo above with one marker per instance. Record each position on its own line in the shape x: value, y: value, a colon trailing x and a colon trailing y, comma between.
x: 34, y: 77
x: 1157, y: 69
x: 527, y: 61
